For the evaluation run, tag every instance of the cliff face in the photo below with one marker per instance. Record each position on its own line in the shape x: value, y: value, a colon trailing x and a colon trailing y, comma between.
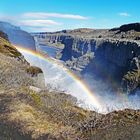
x: 107, y: 54
x: 104, y: 58
x: 115, y: 57
x: 17, y: 36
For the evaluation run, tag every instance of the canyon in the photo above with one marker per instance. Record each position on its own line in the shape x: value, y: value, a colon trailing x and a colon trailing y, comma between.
x: 29, y: 111
x: 108, y: 54
x: 28, y: 114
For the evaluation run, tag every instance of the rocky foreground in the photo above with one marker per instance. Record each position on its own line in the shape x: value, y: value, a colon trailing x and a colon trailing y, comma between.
x: 27, y: 114
x: 110, y: 55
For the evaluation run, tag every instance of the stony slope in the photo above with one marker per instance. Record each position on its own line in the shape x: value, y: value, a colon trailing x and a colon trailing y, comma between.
x: 26, y: 114
x: 121, y: 125
x: 13, y: 62
x: 7, y: 49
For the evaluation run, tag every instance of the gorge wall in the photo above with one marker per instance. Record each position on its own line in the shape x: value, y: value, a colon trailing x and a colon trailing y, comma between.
x: 112, y: 55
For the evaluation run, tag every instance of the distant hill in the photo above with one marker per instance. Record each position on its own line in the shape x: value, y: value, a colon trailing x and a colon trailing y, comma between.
x: 17, y: 36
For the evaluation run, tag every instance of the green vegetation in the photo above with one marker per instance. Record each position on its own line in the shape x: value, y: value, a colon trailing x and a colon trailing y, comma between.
x: 131, y: 80
x: 34, y: 71
x: 7, y: 49
x: 36, y: 98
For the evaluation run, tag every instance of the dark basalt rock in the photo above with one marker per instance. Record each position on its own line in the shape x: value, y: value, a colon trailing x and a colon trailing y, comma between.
x: 128, y: 27
x: 112, y: 58
x: 137, y: 38
x: 133, y: 26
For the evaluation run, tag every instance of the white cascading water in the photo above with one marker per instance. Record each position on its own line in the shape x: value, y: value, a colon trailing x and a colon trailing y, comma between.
x: 59, y: 80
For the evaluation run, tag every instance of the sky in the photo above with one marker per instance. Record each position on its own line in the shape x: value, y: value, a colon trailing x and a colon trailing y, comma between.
x: 54, y: 15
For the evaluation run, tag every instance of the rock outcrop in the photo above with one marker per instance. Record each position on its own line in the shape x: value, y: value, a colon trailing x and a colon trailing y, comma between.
x: 128, y: 27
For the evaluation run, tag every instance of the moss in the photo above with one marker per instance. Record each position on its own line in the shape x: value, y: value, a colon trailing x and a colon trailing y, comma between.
x: 36, y: 98
x: 137, y: 34
x: 7, y: 49
x: 131, y: 80
x: 33, y: 70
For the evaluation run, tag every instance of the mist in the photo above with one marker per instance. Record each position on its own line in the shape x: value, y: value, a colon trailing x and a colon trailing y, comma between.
x: 112, y: 100
x: 56, y: 78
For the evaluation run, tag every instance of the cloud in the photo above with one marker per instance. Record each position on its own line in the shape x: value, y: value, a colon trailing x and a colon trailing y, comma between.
x: 42, y: 15
x: 124, y: 14
x: 38, y: 23
x: 41, y: 29
x: 42, y: 21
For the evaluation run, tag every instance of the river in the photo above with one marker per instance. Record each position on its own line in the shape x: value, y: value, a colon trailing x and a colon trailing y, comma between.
x: 50, y: 51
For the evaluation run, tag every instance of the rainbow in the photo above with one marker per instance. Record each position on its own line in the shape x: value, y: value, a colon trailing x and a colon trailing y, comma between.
x: 80, y: 83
